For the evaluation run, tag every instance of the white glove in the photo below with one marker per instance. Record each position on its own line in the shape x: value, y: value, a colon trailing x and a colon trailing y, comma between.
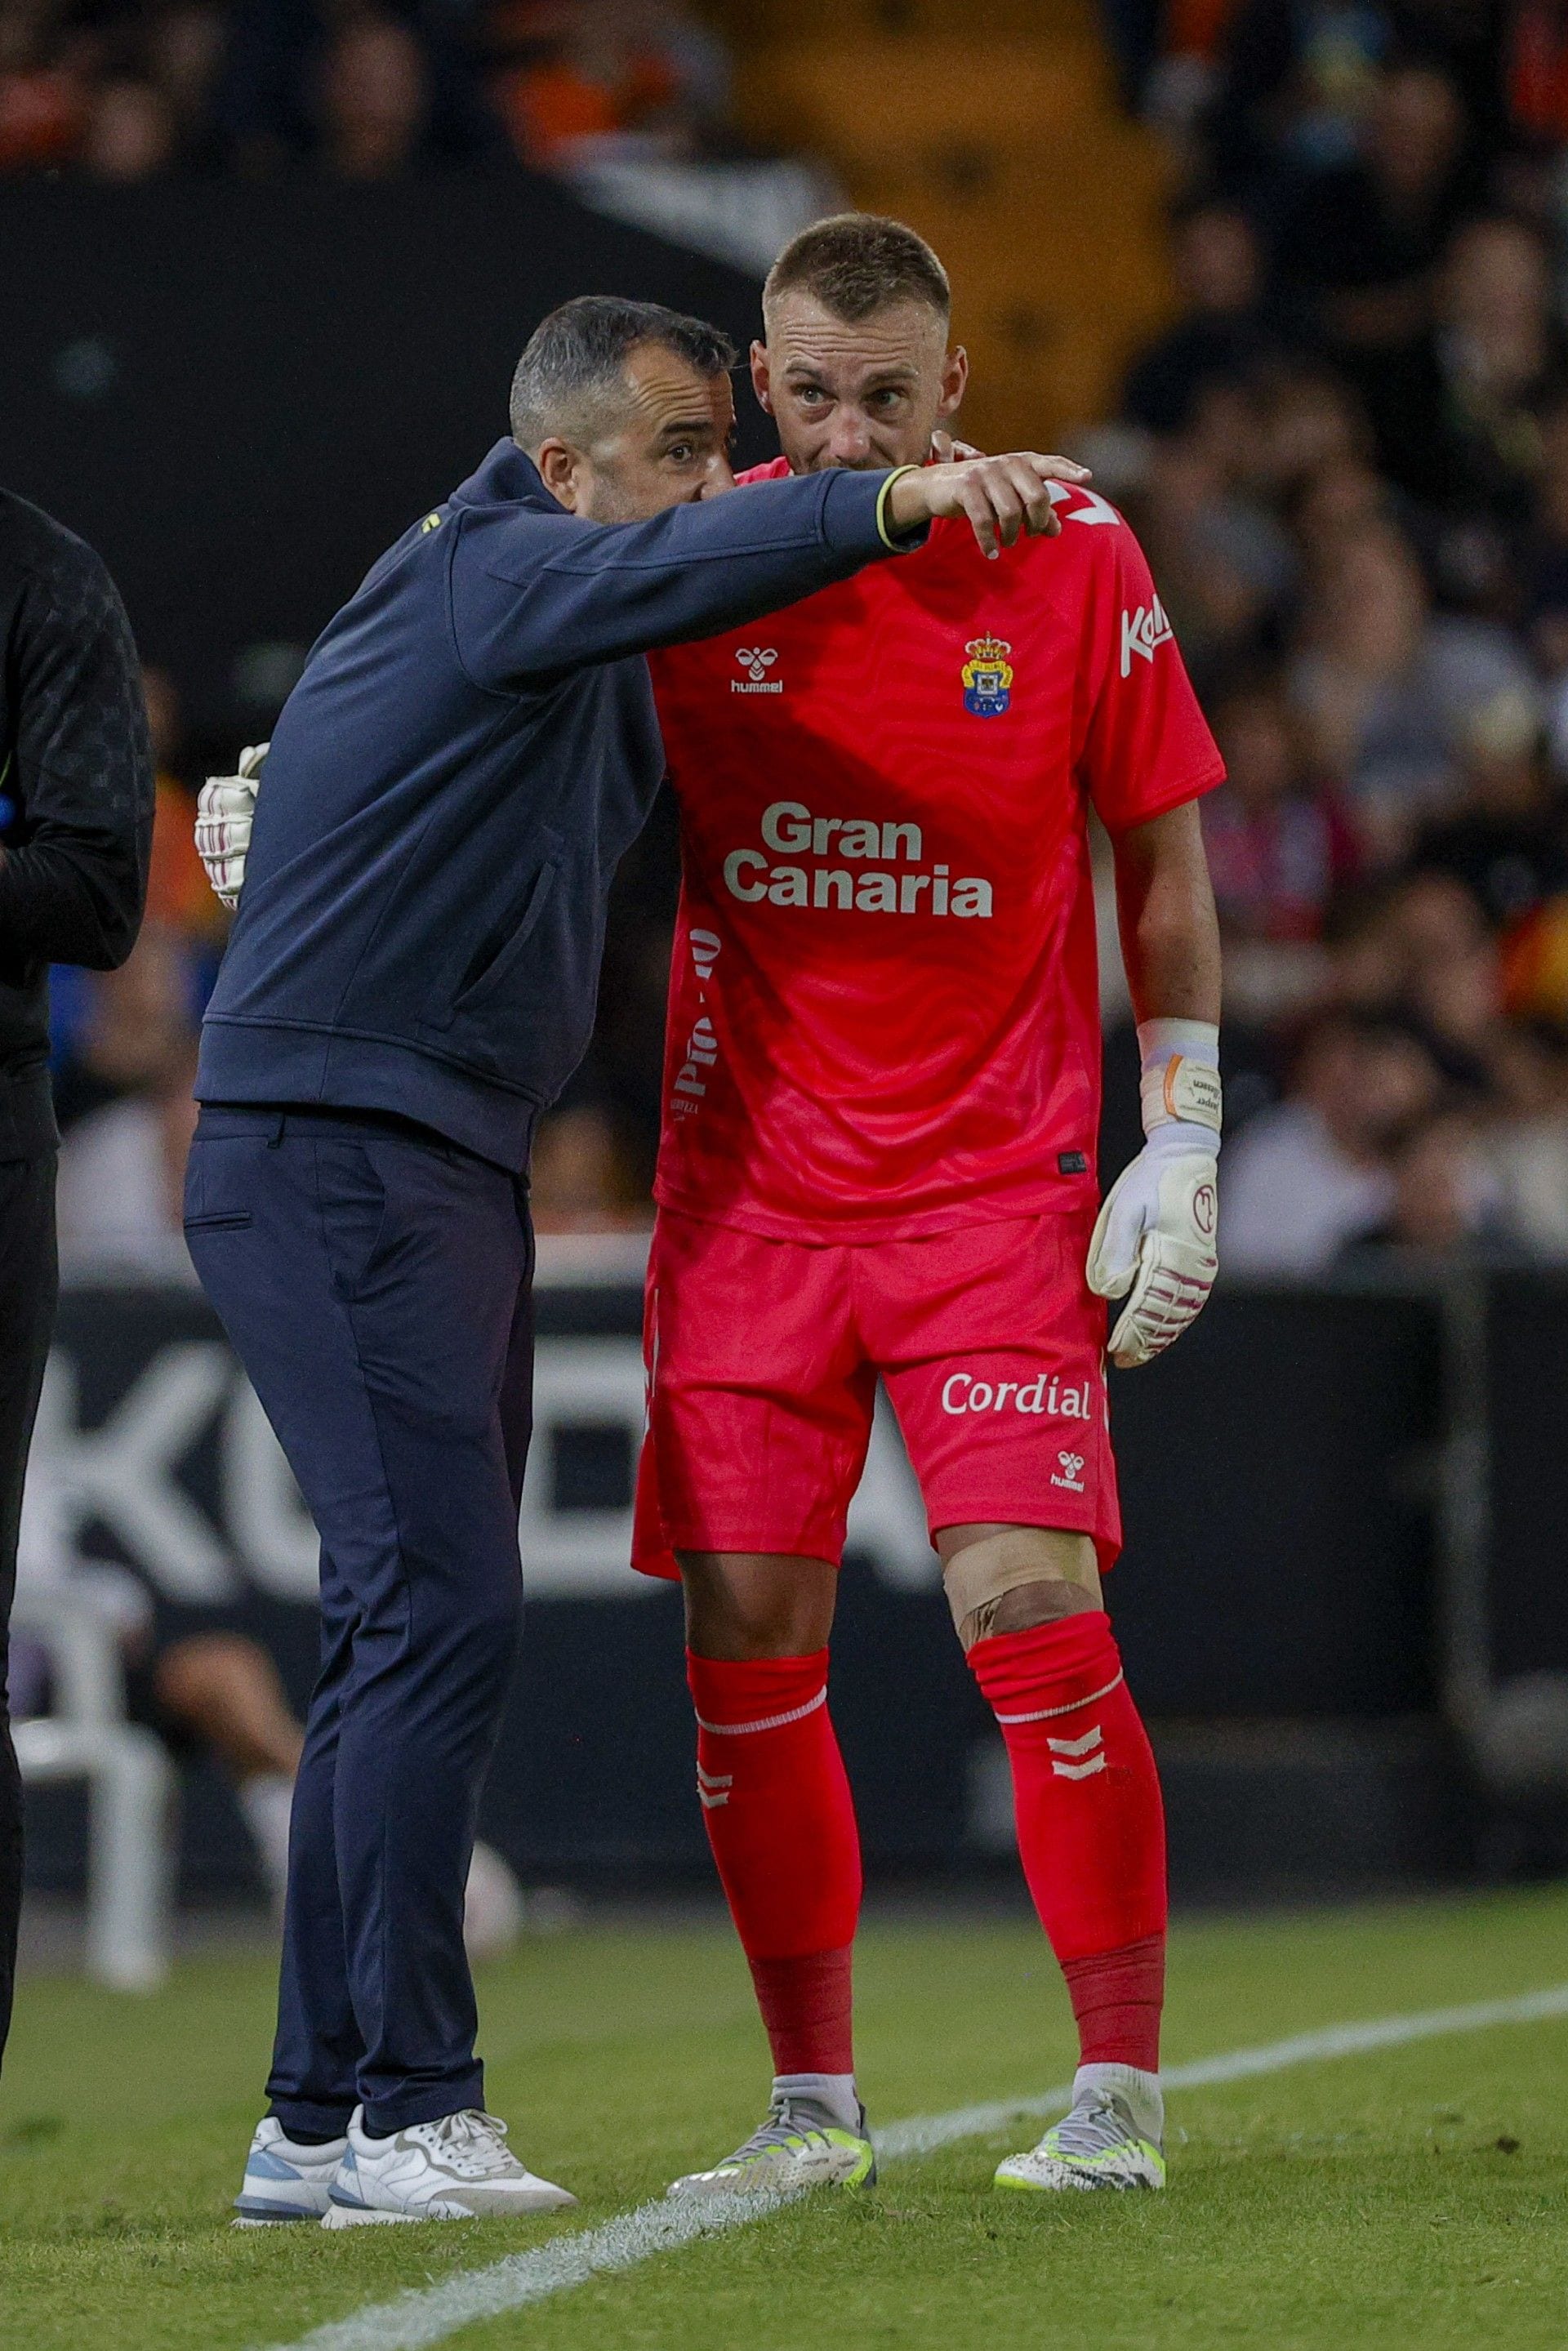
x: 1153, y: 1241
x: 226, y: 807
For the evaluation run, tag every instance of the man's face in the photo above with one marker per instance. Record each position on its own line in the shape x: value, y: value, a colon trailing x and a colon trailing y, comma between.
x: 864, y: 395
x: 664, y: 444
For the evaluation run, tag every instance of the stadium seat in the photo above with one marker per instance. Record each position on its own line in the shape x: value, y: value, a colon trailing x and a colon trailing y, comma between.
x: 869, y: 101
x: 1045, y: 201
x: 749, y: 23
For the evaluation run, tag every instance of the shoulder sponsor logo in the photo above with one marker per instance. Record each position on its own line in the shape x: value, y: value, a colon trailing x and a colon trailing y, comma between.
x: 1088, y: 506
x: 756, y: 661
x: 1143, y: 632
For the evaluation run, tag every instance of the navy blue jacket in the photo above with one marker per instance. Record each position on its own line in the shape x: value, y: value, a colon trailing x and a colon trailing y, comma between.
x: 470, y: 749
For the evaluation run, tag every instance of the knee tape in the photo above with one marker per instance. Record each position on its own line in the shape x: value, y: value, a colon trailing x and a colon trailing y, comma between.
x: 984, y: 1571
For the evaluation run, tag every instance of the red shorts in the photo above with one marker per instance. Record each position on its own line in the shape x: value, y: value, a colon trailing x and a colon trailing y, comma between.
x: 763, y: 1360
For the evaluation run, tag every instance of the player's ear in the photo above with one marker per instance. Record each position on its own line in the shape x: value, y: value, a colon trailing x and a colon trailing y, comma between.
x: 560, y: 470
x: 954, y: 380
x: 759, y: 377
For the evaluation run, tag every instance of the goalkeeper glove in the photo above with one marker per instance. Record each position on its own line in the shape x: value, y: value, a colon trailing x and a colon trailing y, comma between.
x: 1153, y: 1241
x: 224, y: 808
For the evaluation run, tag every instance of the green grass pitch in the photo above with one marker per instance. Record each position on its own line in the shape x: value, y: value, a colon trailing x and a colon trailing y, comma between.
x: 1411, y: 2200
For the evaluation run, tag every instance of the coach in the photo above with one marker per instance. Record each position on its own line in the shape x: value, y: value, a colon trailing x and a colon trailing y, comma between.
x: 76, y: 828
x: 411, y: 977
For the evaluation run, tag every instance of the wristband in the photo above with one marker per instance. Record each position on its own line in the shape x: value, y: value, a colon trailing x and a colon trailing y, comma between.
x: 899, y: 545
x: 1180, y: 1078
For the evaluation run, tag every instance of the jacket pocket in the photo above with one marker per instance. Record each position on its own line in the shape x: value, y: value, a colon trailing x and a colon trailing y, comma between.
x: 221, y: 1220
x: 490, y: 980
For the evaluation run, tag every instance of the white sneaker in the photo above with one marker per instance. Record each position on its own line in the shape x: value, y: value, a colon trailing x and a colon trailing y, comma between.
x: 1112, y: 2137
x: 455, y: 2169
x: 283, y: 2181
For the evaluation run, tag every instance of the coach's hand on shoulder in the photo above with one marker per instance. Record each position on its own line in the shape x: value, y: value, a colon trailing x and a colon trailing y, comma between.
x: 1154, y: 1239
x: 224, y: 808
x: 1002, y: 496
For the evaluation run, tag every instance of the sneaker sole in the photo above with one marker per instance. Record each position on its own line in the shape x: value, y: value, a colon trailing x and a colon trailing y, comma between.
x: 256, y: 2212
x: 361, y: 2216
x: 1070, y: 2182
x: 375, y: 2216
x: 694, y: 2185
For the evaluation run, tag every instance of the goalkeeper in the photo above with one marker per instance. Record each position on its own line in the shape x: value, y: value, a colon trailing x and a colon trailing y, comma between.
x: 878, y: 1161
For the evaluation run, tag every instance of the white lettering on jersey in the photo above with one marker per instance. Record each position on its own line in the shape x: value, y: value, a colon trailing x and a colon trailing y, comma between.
x: 702, y: 1045
x: 791, y: 831
x: 1143, y: 632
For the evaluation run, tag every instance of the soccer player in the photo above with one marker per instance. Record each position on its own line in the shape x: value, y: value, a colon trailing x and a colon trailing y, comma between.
x: 878, y: 1161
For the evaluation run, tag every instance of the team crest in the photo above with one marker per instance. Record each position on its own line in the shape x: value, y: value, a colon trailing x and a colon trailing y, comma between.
x: 987, y: 677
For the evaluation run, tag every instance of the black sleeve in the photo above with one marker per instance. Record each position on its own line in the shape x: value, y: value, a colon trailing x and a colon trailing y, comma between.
x: 73, y: 880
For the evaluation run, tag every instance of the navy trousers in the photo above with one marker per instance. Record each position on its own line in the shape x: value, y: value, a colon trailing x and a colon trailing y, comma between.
x: 376, y: 1283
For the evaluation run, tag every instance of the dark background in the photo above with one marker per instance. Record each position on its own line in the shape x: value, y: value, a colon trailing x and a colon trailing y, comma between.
x: 1278, y: 1605
x: 241, y: 394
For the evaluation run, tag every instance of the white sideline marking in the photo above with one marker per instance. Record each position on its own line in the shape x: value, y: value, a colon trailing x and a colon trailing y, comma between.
x: 928, y: 2132
x: 428, y: 2314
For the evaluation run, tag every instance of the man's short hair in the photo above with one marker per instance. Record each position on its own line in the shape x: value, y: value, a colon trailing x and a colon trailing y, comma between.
x: 858, y: 263
x: 575, y: 361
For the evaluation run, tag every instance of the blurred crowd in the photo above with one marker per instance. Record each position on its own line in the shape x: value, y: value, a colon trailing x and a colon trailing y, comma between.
x: 1348, y: 459
x: 125, y: 1051
x: 1347, y: 455
x: 129, y: 90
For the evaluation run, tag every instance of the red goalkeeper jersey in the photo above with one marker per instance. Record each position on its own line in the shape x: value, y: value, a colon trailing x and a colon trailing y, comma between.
x: 883, y: 1003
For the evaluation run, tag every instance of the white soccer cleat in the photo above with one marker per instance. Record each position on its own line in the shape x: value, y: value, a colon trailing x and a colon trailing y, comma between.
x: 458, y: 2169
x: 1112, y: 2137
x: 283, y: 2181
x: 800, y: 2146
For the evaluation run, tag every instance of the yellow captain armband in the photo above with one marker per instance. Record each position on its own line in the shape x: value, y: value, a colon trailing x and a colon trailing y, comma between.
x: 899, y: 544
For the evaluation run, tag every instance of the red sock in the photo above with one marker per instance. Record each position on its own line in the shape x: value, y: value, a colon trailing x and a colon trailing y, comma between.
x: 1091, y: 1827
x: 781, y: 1823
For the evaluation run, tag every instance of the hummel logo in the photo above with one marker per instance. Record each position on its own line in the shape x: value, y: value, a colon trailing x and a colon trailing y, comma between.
x: 713, y: 1788
x: 1078, y: 1750
x: 756, y: 661
x: 1143, y: 632
x: 1071, y: 1475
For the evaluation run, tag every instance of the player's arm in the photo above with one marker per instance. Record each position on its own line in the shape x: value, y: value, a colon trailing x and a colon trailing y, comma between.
x: 74, y: 881
x: 543, y: 594
x: 1155, y: 1241
x: 536, y: 594
x: 1164, y: 912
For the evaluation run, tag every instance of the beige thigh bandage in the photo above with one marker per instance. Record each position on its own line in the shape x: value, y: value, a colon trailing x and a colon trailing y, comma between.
x: 979, y: 1574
